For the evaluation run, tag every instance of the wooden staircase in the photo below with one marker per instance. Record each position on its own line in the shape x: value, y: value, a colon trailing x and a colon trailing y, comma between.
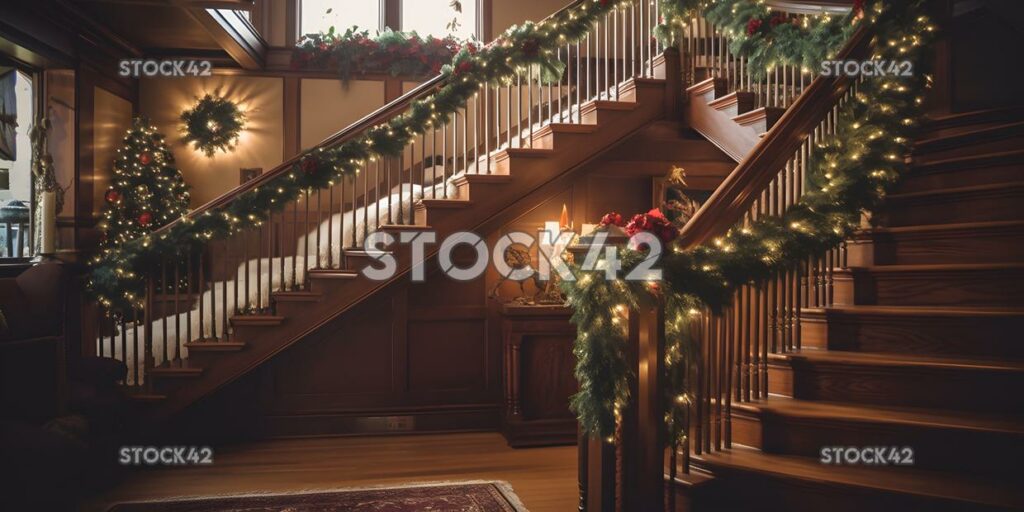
x: 520, y: 177
x: 920, y: 349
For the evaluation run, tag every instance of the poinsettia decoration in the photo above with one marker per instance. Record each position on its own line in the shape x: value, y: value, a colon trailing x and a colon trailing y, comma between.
x: 654, y: 222
x: 390, y: 52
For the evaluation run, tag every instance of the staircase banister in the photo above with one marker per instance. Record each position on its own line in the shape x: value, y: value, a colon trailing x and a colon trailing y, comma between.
x: 836, y: 7
x: 376, y: 117
x: 372, y: 119
x: 737, y: 193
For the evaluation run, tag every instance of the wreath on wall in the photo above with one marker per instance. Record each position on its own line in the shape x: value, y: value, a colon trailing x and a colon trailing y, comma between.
x: 212, y: 124
x: 389, y: 52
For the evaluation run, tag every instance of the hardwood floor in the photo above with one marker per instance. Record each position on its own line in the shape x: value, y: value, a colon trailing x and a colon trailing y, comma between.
x: 544, y: 478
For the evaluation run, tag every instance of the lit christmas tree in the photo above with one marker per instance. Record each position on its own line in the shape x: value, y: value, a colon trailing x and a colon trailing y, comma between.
x: 146, y: 191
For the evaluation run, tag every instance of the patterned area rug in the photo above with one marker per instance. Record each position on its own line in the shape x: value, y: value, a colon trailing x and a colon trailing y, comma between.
x: 458, y: 497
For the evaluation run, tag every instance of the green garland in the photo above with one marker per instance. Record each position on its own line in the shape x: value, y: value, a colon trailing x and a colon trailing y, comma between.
x: 212, y: 124
x: 848, y: 173
x: 117, y: 278
x: 395, y: 53
x: 766, y: 38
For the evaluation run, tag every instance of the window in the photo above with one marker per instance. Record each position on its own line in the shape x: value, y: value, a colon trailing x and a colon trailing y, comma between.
x: 320, y: 15
x: 436, y: 16
x: 426, y: 17
x: 17, y: 109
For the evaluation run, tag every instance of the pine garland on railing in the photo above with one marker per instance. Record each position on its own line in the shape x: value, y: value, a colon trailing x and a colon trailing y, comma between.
x: 849, y: 173
x: 118, y: 278
x: 766, y: 38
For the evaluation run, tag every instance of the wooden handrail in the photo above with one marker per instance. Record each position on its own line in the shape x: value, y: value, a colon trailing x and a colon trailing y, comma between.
x: 372, y: 119
x: 734, y: 197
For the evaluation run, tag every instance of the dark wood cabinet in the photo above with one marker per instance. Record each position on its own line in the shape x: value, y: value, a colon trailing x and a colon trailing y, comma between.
x: 538, y: 375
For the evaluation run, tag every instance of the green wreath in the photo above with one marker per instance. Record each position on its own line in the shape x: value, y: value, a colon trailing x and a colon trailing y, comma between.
x: 212, y: 125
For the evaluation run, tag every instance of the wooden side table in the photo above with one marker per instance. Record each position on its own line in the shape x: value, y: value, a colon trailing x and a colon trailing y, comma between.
x: 538, y: 375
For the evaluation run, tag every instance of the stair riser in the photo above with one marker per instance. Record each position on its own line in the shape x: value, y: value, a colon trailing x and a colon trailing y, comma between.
x: 980, y: 336
x: 981, y: 246
x: 553, y: 140
x: 976, y: 390
x: 994, y: 287
x: 748, y: 490
x: 991, y: 144
x: 934, y: 447
x: 980, y: 206
x: 965, y: 176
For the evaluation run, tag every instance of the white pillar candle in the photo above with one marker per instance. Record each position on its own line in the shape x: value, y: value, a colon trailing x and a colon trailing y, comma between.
x: 47, y: 222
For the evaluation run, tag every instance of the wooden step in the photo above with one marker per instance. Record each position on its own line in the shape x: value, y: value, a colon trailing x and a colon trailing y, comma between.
x: 296, y: 296
x: 898, y: 380
x: 1001, y: 137
x: 983, y: 284
x: 176, y: 369
x: 206, y: 353
x: 804, y: 484
x: 761, y: 119
x: 433, y: 211
x: 965, y: 171
x: 604, y: 111
x: 481, y: 188
x: 973, y: 332
x: 256, y: 320
x: 953, y: 123
x: 734, y: 103
x: 940, y: 440
x: 551, y: 135
x: 195, y: 347
x: 969, y: 242
x: 976, y: 203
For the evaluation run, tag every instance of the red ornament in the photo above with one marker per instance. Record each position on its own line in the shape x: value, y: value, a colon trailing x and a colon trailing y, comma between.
x: 309, y: 164
x: 858, y: 6
x: 146, y: 158
x: 777, y: 19
x: 145, y: 219
x: 112, y: 196
x: 612, y: 219
x: 753, y: 26
x: 463, y: 67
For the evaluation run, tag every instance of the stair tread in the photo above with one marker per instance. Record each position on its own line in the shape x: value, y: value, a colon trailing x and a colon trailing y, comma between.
x: 214, y: 346
x: 299, y: 296
x: 1003, y: 423
x: 901, y: 360
x: 939, y: 311
x: 177, y: 367
x: 903, y: 480
x: 981, y: 133
x: 969, y: 161
x: 956, y: 190
x: 257, y: 319
x: 445, y: 203
x: 954, y: 226
x: 971, y: 117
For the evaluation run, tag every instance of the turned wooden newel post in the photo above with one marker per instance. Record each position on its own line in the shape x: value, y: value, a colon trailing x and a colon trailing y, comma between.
x: 643, y: 430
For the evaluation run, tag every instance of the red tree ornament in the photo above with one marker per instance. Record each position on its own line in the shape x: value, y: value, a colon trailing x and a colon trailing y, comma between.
x: 146, y: 158
x: 112, y: 196
x: 753, y: 26
x: 145, y: 219
x: 309, y: 164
